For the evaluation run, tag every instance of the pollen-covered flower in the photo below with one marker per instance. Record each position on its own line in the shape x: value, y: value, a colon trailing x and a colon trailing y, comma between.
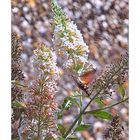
x: 69, y: 42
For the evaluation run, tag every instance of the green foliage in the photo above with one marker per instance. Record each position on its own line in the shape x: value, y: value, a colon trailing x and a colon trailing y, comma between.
x: 82, y: 127
x: 67, y: 103
x: 101, y: 114
x: 61, y: 128
x: 59, y: 115
x: 122, y: 91
x: 78, y: 67
x: 99, y: 102
x: 77, y: 94
x: 59, y: 15
x: 71, y: 100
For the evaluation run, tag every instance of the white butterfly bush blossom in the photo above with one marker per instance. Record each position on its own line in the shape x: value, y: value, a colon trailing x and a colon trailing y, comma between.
x: 44, y: 61
x: 69, y: 42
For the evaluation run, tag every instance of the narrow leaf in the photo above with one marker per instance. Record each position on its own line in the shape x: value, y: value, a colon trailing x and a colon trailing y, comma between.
x: 66, y: 104
x: 77, y: 94
x: 59, y: 115
x: 82, y: 127
x: 122, y: 91
x: 101, y: 114
x: 61, y: 128
x: 99, y: 102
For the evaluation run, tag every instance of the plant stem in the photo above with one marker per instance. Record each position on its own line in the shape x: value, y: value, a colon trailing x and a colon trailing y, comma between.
x: 71, y: 127
x: 107, y: 106
x: 39, y: 122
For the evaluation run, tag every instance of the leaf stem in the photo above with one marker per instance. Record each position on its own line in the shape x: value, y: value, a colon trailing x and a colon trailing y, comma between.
x: 110, y: 106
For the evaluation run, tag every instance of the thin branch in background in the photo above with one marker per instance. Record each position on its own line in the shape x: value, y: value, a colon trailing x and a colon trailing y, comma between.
x: 107, y: 107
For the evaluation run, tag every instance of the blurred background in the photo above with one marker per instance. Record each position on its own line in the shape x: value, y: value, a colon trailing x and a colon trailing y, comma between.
x: 104, y: 25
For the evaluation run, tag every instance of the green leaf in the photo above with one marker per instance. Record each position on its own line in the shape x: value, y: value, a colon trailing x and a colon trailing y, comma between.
x: 61, y: 128
x: 73, y: 100
x: 77, y: 94
x: 82, y: 127
x: 122, y: 91
x: 59, y: 115
x: 99, y: 102
x: 67, y: 104
x: 70, y: 100
x: 101, y: 114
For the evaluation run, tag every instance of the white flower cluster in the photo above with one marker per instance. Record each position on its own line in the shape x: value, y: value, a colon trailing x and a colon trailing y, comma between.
x: 69, y: 42
x: 70, y: 39
x: 44, y: 61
